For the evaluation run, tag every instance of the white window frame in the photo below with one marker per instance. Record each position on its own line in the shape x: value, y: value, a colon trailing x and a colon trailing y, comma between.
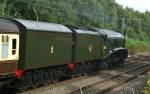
x: 10, y: 56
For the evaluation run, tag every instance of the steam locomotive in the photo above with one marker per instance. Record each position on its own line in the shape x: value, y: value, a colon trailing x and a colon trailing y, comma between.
x: 33, y: 53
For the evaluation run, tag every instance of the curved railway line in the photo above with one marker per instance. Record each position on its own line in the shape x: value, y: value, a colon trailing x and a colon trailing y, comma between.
x: 100, y: 83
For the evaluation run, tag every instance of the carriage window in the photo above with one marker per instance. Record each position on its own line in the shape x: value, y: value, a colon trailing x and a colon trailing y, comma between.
x: 2, y: 39
x: 14, y: 44
x: 4, y: 47
x: 7, y: 39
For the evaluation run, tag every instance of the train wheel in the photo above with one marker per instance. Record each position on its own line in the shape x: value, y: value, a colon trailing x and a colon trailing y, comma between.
x: 47, y: 77
x: 121, y: 62
x: 104, y: 65
x: 23, y: 84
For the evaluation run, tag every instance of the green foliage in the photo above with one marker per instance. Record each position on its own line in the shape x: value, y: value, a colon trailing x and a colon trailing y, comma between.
x: 88, y: 13
x: 135, y: 46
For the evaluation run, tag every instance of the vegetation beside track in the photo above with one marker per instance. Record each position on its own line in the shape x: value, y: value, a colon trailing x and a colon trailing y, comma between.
x: 135, y: 46
x: 137, y: 43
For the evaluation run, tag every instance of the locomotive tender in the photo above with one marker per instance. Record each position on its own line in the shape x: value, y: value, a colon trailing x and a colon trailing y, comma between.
x: 34, y: 53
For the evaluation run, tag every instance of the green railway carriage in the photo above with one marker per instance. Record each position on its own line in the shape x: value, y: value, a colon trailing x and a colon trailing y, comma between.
x: 44, y: 44
x: 89, y: 45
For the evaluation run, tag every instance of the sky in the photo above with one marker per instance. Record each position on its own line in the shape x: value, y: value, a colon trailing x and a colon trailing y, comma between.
x: 140, y: 5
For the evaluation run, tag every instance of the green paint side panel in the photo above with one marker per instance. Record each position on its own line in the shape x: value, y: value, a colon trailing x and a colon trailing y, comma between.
x: 106, y: 51
x: 85, y: 42
x: 47, y: 49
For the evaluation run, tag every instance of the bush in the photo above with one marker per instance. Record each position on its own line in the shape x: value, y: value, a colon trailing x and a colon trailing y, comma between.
x: 135, y: 46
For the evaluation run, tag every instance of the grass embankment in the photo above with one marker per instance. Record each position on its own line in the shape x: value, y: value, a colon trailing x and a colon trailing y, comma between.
x: 137, y: 46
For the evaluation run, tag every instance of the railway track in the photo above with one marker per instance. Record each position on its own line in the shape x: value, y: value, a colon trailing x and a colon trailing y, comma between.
x: 117, y: 80
x: 102, y: 82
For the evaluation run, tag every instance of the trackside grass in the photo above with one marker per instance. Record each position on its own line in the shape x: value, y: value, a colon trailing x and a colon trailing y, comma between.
x: 136, y: 46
